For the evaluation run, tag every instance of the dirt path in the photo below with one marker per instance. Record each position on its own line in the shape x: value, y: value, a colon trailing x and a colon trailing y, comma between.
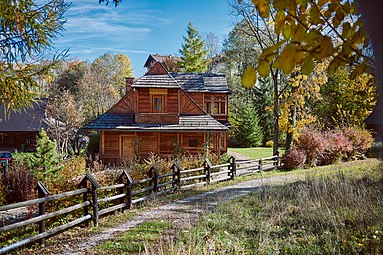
x: 182, y: 213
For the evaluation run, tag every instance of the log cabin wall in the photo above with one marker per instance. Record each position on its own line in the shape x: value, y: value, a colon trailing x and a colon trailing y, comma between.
x: 117, y: 147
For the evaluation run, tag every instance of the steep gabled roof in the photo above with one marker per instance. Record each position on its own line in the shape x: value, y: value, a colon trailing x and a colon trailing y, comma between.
x: 31, y: 119
x: 160, y: 59
x: 156, y: 77
x: 202, y: 82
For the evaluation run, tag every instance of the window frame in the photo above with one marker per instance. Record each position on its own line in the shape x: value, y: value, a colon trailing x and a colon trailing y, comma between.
x: 154, y: 97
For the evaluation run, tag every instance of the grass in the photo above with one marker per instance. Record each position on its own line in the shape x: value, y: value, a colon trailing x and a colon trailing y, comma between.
x: 338, y: 212
x: 134, y: 240
x: 356, y: 169
x: 256, y: 152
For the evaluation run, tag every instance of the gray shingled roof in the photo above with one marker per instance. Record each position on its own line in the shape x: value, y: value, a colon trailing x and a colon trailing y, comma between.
x: 202, y: 82
x: 156, y: 81
x: 111, y: 121
x: 31, y: 119
x: 126, y: 122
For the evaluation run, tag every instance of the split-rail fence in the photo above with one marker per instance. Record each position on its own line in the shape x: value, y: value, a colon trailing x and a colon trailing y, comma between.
x: 93, y: 200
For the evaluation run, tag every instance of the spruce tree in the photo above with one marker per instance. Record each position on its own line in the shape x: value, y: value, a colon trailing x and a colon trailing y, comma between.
x: 193, y: 54
x: 46, y: 161
x: 249, y: 133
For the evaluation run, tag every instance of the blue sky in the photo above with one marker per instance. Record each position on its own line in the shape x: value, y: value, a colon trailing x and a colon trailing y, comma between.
x: 138, y: 28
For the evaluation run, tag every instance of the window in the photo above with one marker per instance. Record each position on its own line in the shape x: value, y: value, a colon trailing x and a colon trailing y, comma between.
x: 220, y: 103
x: 193, y: 143
x: 215, y: 105
x: 158, y: 104
x: 208, y: 104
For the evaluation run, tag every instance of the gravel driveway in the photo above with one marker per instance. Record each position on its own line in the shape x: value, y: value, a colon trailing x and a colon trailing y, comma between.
x: 182, y: 213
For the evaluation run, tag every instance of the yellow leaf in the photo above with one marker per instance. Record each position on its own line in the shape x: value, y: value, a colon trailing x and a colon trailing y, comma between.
x: 249, y: 77
x: 263, y: 68
x: 299, y: 33
x: 281, y: 4
x: 314, y: 14
x: 287, y: 59
x: 308, y: 65
x: 325, y: 48
x: 262, y: 7
x: 346, y: 27
x: 286, y: 31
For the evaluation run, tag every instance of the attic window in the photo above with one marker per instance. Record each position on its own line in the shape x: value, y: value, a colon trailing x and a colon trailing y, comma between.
x: 158, y: 103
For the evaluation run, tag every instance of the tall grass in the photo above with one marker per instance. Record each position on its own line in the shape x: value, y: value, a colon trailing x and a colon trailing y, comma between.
x: 336, y: 214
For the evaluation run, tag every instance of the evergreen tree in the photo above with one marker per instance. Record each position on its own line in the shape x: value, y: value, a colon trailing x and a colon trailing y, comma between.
x: 248, y: 133
x: 193, y: 54
x: 46, y: 161
x: 27, y: 29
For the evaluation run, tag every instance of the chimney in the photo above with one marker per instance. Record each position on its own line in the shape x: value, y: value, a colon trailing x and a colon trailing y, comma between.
x: 129, y: 83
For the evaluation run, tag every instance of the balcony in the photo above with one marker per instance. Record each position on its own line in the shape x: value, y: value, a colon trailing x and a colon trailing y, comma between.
x: 156, y: 118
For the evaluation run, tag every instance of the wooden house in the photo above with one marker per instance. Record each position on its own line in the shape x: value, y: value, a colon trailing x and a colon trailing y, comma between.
x: 162, y: 112
x: 18, y: 130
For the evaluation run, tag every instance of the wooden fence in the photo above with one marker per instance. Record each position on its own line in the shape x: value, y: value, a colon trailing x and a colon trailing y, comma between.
x: 94, y: 200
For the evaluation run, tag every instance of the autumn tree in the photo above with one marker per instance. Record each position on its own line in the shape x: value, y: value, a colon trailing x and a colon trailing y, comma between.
x: 104, y: 83
x: 344, y: 101
x: 67, y: 119
x: 193, y: 54
x: 27, y: 31
x: 296, y: 107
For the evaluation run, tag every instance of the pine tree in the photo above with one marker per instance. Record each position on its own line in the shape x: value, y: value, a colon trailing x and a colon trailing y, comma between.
x: 193, y: 54
x: 249, y: 133
x: 46, y: 161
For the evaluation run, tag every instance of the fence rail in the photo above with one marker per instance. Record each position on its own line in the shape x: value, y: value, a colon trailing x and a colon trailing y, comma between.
x: 122, y: 195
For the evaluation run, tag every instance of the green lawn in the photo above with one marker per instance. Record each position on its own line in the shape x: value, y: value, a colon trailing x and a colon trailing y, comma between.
x: 256, y: 152
x: 337, y: 213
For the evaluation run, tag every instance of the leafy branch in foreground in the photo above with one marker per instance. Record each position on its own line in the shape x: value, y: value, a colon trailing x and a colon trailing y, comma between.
x: 312, y: 31
x: 26, y: 33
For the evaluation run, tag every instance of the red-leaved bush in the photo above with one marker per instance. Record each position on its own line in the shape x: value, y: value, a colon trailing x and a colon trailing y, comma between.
x: 313, y: 144
x: 338, y: 147
x: 293, y: 159
x: 314, y: 147
x: 18, y: 183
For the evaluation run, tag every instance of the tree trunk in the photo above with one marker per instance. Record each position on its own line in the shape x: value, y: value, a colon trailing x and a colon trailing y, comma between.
x: 292, y: 121
x: 276, y: 114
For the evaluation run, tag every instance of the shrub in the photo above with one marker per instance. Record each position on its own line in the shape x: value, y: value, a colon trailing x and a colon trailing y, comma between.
x: 338, y: 146
x: 361, y: 139
x: 18, y: 184
x: 74, y: 169
x: 293, y: 159
x: 313, y: 144
x: 269, y: 144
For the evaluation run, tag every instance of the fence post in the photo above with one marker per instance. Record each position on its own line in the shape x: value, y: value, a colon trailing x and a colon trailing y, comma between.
x: 152, y: 173
x: 95, y: 185
x: 232, y: 168
x: 260, y: 165
x: 276, y: 159
x: 128, y: 187
x: 42, y: 192
x: 176, y: 178
x: 207, y: 165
